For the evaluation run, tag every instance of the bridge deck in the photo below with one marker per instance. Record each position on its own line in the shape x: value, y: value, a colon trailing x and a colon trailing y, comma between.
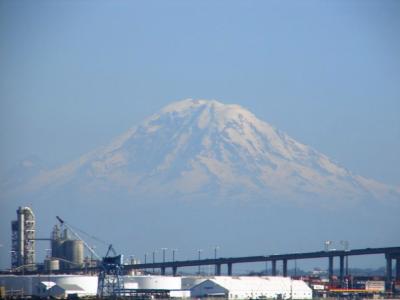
x: 391, y: 251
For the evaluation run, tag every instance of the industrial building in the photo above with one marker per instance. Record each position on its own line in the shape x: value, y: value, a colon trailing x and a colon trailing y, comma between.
x: 154, y: 282
x: 66, y: 251
x: 111, y: 277
x: 162, y: 286
x: 59, y: 286
x: 23, y: 240
x: 243, y: 287
x: 246, y: 287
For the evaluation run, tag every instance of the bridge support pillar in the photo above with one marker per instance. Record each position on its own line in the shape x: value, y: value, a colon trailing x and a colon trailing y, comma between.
x: 229, y: 269
x: 218, y: 270
x: 274, y: 268
x: 162, y: 270
x: 388, y: 272
x: 174, y: 270
x: 330, y: 268
x: 341, y: 271
x: 398, y: 269
x: 284, y: 267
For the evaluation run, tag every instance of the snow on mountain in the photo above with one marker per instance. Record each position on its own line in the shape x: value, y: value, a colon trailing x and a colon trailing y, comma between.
x: 206, y: 148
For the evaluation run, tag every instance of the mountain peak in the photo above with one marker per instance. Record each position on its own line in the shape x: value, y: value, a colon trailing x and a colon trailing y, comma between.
x: 193, y: 104
x: 189, y: 104
x: 205, y: 147
x: 206, y: 112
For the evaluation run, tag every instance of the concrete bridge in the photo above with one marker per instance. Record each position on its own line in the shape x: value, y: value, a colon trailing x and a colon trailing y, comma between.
x: 390, y: 254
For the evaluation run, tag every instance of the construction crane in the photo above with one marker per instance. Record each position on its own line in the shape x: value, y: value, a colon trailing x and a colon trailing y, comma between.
x: 110, y: 280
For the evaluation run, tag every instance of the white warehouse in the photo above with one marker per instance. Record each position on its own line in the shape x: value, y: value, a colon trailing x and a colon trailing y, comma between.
x: 49, y: 285
x: 246, y: 287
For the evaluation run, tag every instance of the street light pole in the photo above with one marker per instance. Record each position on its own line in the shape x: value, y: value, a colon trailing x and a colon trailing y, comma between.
x: 199, y: 252
x: 163, y: 254
x: 145, y: 260
x: 173, y: 254
x: 215, y: 251
x: 215, y: 257
x: 154, y: 259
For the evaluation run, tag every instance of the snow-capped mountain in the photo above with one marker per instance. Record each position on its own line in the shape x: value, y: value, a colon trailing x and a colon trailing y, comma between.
x: 205, y: 148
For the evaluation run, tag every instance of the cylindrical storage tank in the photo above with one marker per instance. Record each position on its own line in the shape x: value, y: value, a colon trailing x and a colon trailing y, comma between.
x: 155, y: 282
x: 51, y: 265
x: 57, y: 249
x: 73, y: 251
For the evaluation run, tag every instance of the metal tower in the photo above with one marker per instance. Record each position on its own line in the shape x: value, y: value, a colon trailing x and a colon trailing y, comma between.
x: 111, y: 282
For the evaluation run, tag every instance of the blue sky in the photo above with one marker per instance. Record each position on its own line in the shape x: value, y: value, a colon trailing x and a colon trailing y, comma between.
x: 74, y: 74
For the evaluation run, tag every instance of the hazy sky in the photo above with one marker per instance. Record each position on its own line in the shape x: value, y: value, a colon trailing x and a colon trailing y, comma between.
x: 74, y: 74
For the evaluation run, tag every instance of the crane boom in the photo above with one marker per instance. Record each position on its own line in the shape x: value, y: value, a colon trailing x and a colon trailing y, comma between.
x: 62, y: 222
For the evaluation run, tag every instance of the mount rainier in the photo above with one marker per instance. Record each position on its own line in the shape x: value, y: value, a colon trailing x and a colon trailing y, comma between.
x: 198, y: 173
x: 200, y: 148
